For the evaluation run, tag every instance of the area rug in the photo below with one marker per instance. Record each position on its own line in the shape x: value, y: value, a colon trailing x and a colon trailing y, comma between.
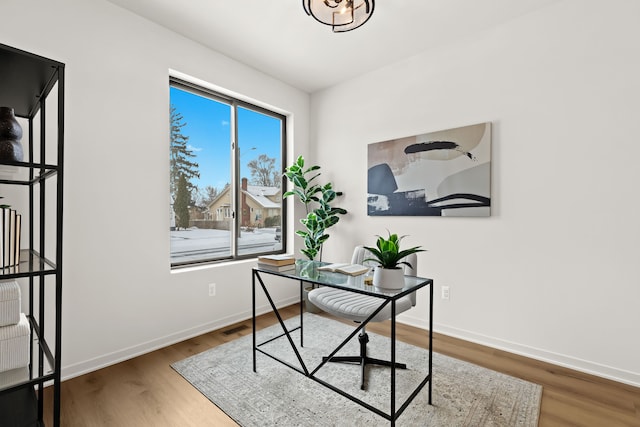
x: 463, y: 394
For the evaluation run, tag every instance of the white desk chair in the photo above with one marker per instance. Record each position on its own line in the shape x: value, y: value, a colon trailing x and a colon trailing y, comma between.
x: 358, y: 307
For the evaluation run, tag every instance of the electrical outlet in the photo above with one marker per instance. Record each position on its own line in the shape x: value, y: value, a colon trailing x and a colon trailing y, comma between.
x: 445, y: 292
x: 212, y: 289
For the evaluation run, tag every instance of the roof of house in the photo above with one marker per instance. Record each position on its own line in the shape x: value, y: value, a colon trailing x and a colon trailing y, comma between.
x: 261, y: 190
x: 263, y: 200
x: 259, y: 193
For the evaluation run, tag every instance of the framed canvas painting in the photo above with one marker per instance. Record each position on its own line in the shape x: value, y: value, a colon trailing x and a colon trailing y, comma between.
x: 444, y: 173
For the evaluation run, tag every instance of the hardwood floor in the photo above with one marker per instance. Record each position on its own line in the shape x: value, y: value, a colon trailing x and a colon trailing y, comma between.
x: 145, y: 391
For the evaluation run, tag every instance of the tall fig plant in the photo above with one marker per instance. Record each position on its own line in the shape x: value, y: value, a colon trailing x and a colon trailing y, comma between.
x: 317, y: 200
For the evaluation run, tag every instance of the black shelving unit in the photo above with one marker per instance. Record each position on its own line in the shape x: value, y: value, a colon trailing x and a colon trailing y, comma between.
x: 26, y: 82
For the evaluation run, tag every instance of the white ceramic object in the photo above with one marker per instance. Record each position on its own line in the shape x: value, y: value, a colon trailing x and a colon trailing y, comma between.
x: 388, y: 278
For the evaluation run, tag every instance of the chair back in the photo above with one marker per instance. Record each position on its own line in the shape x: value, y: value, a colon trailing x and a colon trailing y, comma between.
x: 360, y: 254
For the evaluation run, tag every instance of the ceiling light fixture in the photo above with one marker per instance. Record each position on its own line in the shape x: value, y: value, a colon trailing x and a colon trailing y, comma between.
x: 341, y: 15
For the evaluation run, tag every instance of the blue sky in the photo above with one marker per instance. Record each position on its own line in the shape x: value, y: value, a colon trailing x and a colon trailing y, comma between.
x: 208, y: 128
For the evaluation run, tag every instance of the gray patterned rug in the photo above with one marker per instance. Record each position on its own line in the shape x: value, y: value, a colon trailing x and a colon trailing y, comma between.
x: 463, y: 394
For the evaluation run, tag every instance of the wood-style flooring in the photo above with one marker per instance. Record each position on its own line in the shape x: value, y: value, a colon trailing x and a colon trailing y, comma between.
x: 146, y: 391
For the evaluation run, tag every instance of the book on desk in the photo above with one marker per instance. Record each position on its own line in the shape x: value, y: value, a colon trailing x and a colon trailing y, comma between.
x: 345, y: 268
x: 279, y: 268
x: 276, y: 260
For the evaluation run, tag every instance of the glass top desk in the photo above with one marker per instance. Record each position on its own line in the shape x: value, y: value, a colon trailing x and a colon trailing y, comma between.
x: 306, y: 272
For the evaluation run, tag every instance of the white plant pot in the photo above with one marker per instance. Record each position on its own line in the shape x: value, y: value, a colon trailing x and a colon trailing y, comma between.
x: 388, y: 278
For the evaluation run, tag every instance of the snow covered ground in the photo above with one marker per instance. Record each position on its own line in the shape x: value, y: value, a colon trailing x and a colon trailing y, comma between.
x: 196, y: 244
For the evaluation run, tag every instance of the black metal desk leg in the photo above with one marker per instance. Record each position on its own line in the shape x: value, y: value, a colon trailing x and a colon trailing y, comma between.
x: 430, y: 339
x: 253, y: 316
x: 301, y: 314
x: 393, y: 363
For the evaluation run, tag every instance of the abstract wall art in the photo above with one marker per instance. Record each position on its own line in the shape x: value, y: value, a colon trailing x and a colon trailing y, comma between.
x: 444, y: 173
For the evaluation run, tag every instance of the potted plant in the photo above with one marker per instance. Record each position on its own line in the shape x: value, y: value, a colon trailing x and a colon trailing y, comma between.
x: 320, y: 214
x: 389, y: 273
x: 317, y: 200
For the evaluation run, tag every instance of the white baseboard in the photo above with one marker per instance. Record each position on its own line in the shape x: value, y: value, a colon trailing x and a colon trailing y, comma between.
x: 615, y: 374
x: 77, y: 369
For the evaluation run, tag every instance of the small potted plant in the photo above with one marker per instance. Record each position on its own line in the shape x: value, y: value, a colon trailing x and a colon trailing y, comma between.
x: 389, y: 274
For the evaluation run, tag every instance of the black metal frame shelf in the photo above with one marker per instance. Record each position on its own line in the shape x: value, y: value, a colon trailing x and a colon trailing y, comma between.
x: 25, y: 172
x: 26, y: 80
x: 31, y: 264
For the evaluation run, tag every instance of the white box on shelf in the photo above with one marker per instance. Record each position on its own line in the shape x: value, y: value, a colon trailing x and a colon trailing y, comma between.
x: 9, y: 303
x: 14, y: 345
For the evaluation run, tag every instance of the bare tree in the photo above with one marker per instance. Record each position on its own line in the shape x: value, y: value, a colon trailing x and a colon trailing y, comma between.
x: 263, y: 171
x: 206, y: 195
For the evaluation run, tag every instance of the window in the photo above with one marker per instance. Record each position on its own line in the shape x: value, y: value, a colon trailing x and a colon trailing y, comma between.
x: 226, y: 165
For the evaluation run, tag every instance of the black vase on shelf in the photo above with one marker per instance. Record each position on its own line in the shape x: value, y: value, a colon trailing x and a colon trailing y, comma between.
x: 10, y: 136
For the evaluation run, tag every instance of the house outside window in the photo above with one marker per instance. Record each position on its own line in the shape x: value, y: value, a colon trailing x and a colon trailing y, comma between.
x: 226, y: 165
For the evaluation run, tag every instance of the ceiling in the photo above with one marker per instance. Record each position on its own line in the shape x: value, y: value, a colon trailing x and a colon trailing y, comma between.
x: 279, y: 39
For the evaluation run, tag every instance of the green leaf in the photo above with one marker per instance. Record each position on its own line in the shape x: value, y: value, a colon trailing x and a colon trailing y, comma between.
x: 312, y: 169
x: 299, y: 181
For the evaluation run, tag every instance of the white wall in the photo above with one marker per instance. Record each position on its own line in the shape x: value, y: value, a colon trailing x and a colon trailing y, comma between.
x: 120, y: 298
x: 553, y: 273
